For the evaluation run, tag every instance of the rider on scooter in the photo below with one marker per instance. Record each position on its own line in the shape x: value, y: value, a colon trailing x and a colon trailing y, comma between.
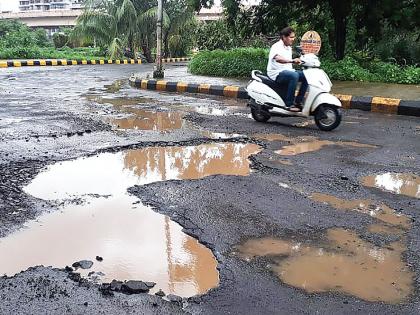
x: 280, y: 69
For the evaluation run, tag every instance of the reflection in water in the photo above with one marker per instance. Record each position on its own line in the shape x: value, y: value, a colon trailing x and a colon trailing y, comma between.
x: 135, y: 242
x: 346, y: 263
x: 149, y: 120
x: 381, y: 212
x: 398, y: 183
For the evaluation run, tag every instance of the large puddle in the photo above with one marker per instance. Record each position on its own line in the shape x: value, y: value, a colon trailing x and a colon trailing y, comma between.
x: 397, y: 183
x: 343, y: 263
x: 99, y: 218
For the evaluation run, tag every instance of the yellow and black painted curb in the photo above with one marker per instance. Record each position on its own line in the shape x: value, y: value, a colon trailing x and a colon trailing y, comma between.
x: 160, y: 85
x: 73, y: 62
x: 366, y: 103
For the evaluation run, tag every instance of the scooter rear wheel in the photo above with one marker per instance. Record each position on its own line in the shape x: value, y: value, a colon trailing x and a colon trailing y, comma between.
x: 260, y: 115
x: 327, y: 117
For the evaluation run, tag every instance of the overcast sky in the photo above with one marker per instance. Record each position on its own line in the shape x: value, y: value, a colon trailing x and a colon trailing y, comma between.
x: 9, y: 5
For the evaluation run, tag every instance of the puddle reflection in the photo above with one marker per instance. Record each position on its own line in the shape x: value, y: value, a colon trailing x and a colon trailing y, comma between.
x: 135, y: 242
x: 149, y: 120
x: 345, y: 263
x: 397, y: 183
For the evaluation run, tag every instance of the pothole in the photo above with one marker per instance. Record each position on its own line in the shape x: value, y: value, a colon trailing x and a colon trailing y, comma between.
x: 379, y: 211
x: 344, y: 263
x: 398, y: 183
x: 135, y: 242
x: 141, y: 119
x: 119, y: 101
x: 316, y: 145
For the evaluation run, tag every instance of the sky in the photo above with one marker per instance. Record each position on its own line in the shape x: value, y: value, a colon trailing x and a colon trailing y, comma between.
x: 9, y: 5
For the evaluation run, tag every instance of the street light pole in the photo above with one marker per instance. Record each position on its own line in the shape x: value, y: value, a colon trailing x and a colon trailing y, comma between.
x: 158, y: 73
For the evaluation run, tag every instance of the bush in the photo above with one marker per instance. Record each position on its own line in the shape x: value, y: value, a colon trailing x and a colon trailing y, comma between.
x: 214, y: 35
x: 237, y: 62
x: 60, y: 39
x: 240, y: 62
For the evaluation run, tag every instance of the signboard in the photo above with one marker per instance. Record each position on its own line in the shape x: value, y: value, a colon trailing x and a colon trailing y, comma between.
x: 310, y: 42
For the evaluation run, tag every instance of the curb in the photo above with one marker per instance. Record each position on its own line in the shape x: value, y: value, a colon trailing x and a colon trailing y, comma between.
x: 73, y: 62
x: 365, y: 103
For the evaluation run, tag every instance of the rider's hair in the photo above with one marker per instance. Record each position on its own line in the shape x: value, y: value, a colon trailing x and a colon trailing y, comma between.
x: 286, y: 31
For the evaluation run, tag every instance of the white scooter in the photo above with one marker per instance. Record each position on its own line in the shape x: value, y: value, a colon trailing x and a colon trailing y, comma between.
x: 266, y: 97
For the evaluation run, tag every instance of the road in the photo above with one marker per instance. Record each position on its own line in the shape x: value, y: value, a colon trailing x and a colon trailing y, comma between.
x: 324, y: 222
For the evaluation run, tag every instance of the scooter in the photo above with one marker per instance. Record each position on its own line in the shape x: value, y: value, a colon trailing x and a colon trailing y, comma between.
x: 266, y: 97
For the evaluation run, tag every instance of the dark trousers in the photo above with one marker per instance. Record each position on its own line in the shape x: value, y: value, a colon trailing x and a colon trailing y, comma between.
x: 291, y: 78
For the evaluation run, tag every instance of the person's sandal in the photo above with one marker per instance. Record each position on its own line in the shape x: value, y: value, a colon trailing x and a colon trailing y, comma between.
x: 294, y: 109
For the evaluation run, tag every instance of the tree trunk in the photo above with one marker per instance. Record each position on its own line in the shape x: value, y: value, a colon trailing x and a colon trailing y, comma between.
x: 147, y: 53
x: 158, y: 73
x: 340, y: 11
x: 340, y: 31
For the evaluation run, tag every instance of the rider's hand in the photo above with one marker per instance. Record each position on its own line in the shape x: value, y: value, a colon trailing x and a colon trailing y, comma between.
x: 296, y: 61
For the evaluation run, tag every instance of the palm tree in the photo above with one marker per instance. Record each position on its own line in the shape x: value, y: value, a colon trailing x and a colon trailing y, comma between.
x: 108, y: 24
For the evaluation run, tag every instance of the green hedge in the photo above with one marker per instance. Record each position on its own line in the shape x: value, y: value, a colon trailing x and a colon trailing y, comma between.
x: 34, y: 52
x: 237, y: 62
x: 240, y: 62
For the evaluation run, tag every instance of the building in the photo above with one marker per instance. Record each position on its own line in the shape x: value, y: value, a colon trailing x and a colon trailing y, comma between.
x: 49, y: 5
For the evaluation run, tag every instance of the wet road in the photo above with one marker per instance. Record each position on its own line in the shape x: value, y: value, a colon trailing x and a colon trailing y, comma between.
x: 298, y: 220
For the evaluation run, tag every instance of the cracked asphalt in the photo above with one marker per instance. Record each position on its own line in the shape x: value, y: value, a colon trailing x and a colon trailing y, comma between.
x: 47, y: 116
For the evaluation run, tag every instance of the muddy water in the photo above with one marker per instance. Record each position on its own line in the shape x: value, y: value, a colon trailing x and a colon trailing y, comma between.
x: 316, y: 145
x: 381, y: 212
x: 149, y: 120
x: 134, y: 241
x: 345, y: 263
x: 397, y: 183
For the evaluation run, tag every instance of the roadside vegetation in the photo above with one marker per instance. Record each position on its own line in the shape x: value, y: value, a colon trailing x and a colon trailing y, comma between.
x: 17, y: 41
x: 377, y: 40
x: 239, y: 62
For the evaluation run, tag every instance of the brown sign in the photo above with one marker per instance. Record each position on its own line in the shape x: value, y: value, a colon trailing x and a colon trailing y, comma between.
x: 310, y: 42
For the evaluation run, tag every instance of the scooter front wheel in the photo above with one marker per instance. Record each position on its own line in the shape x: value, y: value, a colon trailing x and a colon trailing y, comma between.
x: 260, y: 115
x: 327, y: 117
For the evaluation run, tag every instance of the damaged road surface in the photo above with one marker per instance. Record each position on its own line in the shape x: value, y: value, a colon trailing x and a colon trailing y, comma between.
x: 117, y: 200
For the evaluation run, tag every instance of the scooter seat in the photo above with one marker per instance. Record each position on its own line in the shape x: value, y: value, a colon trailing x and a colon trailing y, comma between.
x: 280, y: 89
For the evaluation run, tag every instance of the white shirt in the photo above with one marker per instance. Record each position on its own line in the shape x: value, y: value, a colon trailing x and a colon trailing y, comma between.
x: 274, y: 67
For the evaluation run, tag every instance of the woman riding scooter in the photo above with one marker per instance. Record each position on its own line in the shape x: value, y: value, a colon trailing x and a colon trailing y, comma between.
x: 280, y: 69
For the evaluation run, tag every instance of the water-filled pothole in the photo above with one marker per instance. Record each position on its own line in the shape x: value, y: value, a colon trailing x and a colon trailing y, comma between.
x: 141, y: 119
x: 134, y: 241
x: 316, y: 145
x: 379, y: 211
x: 344, y: 263
x: 398, y: 183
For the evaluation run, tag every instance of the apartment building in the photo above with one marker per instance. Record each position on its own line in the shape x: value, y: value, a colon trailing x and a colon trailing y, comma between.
x: 49, y: 5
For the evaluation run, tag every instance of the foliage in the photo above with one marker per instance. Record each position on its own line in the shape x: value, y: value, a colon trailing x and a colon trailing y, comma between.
x: 241, y: 61
x: 50, y: 53
x: 238, y: 62
x: 127, y: 25
x: 345, y: 26
x: 214, y: 35
x: 60, y: 39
